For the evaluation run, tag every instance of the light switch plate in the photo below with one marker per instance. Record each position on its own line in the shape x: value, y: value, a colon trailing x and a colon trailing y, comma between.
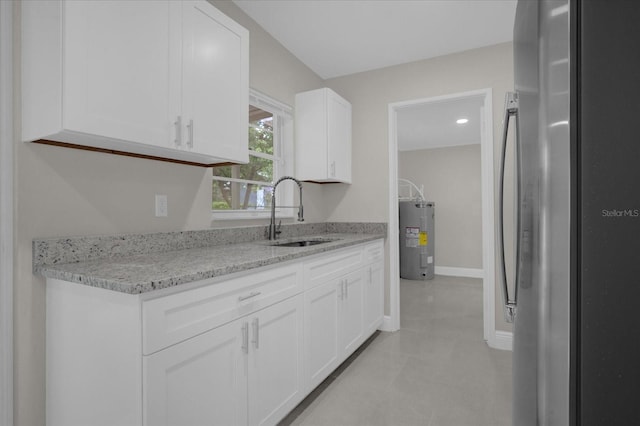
x: 162, y: 208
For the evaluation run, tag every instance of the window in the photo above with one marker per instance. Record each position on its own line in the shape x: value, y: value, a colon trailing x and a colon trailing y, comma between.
x: 244, y: 191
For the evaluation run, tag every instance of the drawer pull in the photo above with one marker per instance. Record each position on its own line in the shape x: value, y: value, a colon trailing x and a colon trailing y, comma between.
x: 245, y: 337
x: 256, y: 333
x: 249, y: 296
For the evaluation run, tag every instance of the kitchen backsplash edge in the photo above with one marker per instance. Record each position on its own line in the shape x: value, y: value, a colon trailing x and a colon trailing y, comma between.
x: 52, y: 251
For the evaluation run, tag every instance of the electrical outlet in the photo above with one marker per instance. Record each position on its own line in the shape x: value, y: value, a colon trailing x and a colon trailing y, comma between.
x: 162, y: 208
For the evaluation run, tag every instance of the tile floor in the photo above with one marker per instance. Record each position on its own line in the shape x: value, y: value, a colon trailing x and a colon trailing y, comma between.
x: 435, y: 371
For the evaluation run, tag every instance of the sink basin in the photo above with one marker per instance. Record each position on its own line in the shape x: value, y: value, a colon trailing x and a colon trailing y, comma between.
x: 300, y: 243
x: 303, y: 243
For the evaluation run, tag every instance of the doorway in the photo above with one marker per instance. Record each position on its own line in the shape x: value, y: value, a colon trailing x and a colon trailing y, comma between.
x: 484, y: 101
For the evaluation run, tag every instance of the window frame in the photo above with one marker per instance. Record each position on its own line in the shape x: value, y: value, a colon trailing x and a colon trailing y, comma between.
x: 283, y: 166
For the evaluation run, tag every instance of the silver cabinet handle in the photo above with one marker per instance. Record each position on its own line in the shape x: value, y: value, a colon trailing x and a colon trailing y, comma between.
x: 333, y: 169
x: 256, y: 333
x: 346, y: 289
x: 510, y: 305
x: 178, y: 127
x: 249, y: 296
x: 245, y: 337
x: 190, y: 130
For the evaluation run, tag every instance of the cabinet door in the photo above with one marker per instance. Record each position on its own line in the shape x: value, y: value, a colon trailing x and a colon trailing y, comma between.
x: 321, y: 306
x: 373, y: 297
x: 116, y: 69
x: 215, y: 89
x: 339, y: 138
x: 200, y: 381
x: 351, y: 313
x: 275, y: 361
x: 323, y: 136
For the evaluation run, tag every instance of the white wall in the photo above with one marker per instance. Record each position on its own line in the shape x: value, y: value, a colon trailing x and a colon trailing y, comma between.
x: 6, y: 213
x: 451, y: 178
x: 371, y: 92
x: 62, y: 191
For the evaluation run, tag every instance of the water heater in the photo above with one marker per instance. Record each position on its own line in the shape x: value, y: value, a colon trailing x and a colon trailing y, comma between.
x: 417, y: 238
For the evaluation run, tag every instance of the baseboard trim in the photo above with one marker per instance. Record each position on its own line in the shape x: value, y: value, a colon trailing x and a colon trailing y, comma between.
x: 501, y: 340
x: 459, y: 272
x: 386, y: 324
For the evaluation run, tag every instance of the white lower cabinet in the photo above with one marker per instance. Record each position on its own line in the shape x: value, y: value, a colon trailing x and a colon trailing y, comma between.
x: 333, y: 325
x: 343, y: 306
x: 351, y: 330
x: 373, y: 297
x: 246, y: 372
x: 321, y: 328
x: 238, y: 351
x: 200, y: 381
x: 275, y: 361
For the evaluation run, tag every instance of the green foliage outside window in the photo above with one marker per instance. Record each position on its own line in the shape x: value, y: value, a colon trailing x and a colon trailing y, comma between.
x: 233, y: 195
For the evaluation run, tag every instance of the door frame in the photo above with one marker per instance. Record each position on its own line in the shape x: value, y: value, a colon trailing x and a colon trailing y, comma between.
x: 488, y: 210
x: 6, y: 212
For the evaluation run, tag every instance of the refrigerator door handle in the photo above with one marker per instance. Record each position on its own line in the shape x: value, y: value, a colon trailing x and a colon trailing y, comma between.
x: 510, y: 304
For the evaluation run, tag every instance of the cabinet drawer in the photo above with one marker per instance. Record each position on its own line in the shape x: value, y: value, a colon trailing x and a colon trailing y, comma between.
x: 177, y: 317
x: 374, y: 252
x: 331, y: 266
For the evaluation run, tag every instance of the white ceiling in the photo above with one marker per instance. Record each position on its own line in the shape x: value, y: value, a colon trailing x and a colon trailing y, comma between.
x: 433, y: 125
x: 341, y: 37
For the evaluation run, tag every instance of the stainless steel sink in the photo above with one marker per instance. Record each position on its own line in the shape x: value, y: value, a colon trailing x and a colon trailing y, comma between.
x: 300, y: 242
x: 303, y: 243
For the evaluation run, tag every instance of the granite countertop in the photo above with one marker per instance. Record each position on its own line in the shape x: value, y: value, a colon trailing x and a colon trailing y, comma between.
x: 135, y: 274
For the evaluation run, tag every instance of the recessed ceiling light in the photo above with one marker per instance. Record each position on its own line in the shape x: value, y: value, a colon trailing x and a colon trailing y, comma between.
x: 462, y: 120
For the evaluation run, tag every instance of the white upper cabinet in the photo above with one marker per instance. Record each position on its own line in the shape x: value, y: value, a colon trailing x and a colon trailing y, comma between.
x: 323, y: 136
x: 114, y: 82
x: 159, y: 78
x: 214, y: 85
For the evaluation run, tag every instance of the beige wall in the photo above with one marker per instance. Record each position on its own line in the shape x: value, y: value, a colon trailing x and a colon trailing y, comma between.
x: 451, y: 178
x: 370, y: 94
x: 63, y: 191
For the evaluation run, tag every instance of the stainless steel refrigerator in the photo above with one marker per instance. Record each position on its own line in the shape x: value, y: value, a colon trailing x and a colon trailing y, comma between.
x: 574, y: 298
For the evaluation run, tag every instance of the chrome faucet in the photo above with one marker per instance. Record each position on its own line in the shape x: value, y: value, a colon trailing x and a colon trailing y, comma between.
x: 273, y: 230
